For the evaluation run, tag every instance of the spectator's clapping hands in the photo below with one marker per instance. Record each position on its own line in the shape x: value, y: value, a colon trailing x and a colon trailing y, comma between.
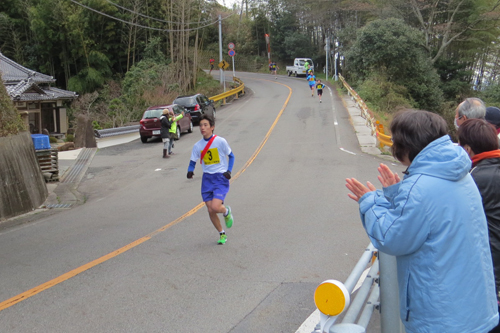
x: 358, y: 189
x: 387, y: 177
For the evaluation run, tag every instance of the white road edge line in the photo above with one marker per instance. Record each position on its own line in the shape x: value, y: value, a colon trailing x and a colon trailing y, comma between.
x: 310, y: 323
x: 336, y: 123
x: 347, y: 151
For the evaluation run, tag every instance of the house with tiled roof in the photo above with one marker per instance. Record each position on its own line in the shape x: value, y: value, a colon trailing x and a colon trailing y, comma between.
x: 41, y: 105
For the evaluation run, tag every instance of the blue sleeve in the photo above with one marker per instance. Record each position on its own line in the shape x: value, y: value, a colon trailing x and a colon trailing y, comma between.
x: 394, y: 221
x: 191, y: 166
x: 230, y: 162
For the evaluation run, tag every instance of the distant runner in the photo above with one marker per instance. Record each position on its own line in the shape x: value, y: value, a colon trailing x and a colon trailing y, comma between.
x: 212, y: 62
x: 319, y: 89
x: 311, y: 79
x: 274, y: 67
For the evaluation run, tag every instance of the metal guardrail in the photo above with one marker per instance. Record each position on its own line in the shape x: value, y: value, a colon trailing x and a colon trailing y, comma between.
x: 367, y: 114
x: 333, y: 298
x: 103, y: 133
x: 383, y: 139
x: 235, y: 91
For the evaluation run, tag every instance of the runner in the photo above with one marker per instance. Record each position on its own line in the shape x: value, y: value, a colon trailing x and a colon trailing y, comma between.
x: 212, y: 62
x: 311, y: 79
x: 217, y: 161
x: 274, y: 67
x: 319, y: 89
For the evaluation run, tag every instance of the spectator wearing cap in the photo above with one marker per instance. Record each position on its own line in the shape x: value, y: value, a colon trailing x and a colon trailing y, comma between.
x: 471, y: 108
x: 493, y: 117
x: 433, y: 222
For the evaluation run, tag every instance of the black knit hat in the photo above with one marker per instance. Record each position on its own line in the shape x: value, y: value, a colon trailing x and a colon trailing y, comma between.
x: 493, y: 116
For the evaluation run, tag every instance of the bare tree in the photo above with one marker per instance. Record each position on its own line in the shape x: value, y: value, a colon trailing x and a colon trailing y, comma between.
x: 445, y: 21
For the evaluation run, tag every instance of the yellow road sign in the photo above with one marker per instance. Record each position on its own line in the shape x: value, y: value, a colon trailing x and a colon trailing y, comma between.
x: 224, y: 64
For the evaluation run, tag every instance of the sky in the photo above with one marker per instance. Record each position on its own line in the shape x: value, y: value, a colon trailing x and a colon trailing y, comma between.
x: 228, y: 3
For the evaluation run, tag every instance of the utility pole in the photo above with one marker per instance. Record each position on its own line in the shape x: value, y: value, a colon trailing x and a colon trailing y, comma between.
x: 268, y: 44
x: 327, y: 49
x: 221, y: 71
x: 336, y: 56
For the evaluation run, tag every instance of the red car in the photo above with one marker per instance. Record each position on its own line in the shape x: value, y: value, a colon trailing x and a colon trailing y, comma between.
x: 151, y: 125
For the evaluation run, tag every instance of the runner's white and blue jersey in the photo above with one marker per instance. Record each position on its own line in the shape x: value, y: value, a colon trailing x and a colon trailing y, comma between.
x: 216, y: 158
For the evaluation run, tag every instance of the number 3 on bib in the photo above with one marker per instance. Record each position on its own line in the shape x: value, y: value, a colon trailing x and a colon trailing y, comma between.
x: 211, y: 157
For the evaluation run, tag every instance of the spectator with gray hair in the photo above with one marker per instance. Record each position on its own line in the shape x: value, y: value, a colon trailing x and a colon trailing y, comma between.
x: 471, y: 108
x: 433, y: 222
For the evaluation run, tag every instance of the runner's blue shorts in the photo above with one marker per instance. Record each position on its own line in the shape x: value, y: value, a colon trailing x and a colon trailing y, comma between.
x: 214, y: 186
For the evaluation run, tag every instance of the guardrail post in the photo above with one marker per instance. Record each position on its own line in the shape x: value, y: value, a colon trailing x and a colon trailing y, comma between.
x: 379, y: 142
x: 390, y: 320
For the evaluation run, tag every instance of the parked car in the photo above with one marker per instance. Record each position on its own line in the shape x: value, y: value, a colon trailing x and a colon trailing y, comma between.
x: 151, y: 125
x: 197, y: 105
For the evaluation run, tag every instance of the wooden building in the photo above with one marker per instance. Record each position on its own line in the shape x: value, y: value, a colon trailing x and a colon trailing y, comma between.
x: 41, y: 105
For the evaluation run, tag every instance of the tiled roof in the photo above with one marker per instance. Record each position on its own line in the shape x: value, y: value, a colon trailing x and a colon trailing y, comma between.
x: 23, y: 84
x: 13, y: 72
x: 16, y: 90
x: 60, y: 93
x: 24, y: 91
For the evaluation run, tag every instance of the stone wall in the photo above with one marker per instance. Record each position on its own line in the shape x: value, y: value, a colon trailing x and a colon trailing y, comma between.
x: 22, y: 186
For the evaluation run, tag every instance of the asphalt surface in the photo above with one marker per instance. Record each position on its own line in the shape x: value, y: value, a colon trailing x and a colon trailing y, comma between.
x: 137, y: 252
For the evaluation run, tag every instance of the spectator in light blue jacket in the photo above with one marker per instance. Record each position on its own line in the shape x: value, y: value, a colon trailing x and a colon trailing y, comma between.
x: 433, y: 222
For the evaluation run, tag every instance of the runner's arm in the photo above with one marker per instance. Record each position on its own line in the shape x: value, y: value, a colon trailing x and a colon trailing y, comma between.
x: 192, y: 165
x: 230, y: 162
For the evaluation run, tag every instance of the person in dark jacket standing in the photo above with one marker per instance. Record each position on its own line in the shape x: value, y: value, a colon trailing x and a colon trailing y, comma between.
x: 165, y: 132
x: 479, y: 139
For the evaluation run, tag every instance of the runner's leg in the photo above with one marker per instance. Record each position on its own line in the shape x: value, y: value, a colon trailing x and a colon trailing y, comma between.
x: 215, y: 207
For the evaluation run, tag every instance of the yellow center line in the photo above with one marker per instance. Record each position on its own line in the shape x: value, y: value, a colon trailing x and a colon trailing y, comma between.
x: 32, y: 292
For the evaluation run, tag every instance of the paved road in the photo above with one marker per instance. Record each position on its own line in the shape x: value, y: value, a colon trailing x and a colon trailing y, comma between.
x: 141, y: 256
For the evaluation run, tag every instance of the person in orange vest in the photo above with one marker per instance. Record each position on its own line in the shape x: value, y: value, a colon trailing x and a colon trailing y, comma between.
x: 212, y: 62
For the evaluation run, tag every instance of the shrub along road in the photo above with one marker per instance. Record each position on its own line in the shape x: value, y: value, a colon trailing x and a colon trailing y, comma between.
x: 141, y: 256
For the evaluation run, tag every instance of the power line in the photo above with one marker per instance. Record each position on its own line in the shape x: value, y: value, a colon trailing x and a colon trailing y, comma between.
x: 143, y: 26
x: 149, y: 17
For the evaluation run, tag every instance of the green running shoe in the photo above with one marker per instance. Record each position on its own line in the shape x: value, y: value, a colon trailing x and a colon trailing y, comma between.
x: 229, y: 218
x: 222, y: 239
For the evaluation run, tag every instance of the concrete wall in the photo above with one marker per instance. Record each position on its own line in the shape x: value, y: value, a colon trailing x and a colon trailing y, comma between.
x: 22, y: 186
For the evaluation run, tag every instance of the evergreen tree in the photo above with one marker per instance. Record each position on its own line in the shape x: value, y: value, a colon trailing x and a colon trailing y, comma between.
x: 392, y: 49
x: 10, y: 119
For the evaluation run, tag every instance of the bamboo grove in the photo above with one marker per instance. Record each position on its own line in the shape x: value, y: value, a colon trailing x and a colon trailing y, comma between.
x: 112, y: 47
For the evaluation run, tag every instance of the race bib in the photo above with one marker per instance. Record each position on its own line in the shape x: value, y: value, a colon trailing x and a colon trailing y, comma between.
x: 211, y: 157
